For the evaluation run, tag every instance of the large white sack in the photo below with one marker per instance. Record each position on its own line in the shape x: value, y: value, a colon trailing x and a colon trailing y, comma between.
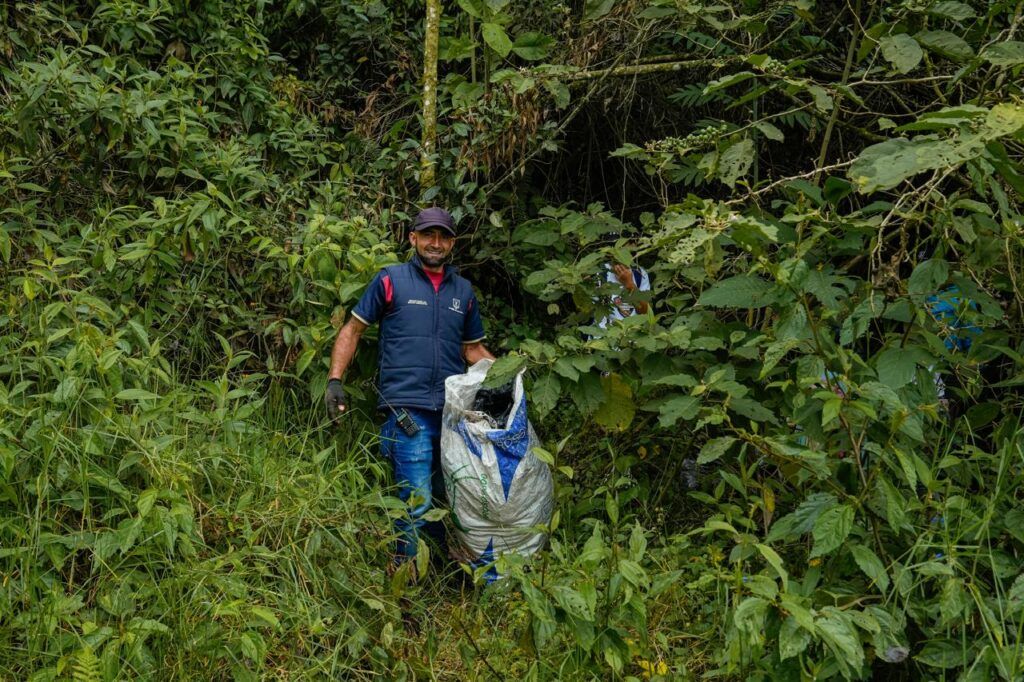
x: 498, y: 490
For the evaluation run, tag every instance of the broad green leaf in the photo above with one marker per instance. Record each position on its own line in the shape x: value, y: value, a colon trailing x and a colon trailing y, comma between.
x: 251, y: 645
x: 887, y: 164
x: 872, y: 566
x: 504, y: 369
x: 435, y: 514
x: 637, y: 543
x: 681, y: 380
x: 538, y: 233
x: 831, y: 529
x: 136, y: 394
x: 68, y: 390
x: 773, y: 558
x: 559, y: 93
x: 455, y: 48
x: 474, y: 8
x: 595, y: 9
x: 928, y: 276
x: 1006, y: 53
x: 633, y: 573
x: 1015, y: 598
x: 822, y: 99
x: 618, y: 408
x: 798, y: 608
x: 774, y: 353
x: 950, y: 9
x: 588, y: 393
x: 146, y: 501
x: 752, y: 410
x: 830, y: 410
x: 613, y: 658
x: 1003, y: 119
x: 305, y: 358
x: 741, y: 291
x: 496, y: 38
x: 532, y: 45
x: 895, y: 367
x: 902, y: 51
x: 804, y: 518
x: 946, y: 44
x: 537, y: 602
x: 770, y: 131
x: 839, y: 633
x: 33, y: 187
x: 680, y: 407
x: 543, y: 455
x: 941, y: 654
x: 572, y: 602
x: 714, y: 448
x: 793, y: 639
x: 266, y: 615
x: 750, y: 614
x: 545, y: 393
x: 594, y: 549
x: 824, y: 287
x: 836, y: 189
x: 735, y: 161
x: 726, y: 81
x: 953, y: 601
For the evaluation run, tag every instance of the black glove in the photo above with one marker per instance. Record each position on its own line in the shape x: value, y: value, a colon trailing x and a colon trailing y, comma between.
x: 335, y: 399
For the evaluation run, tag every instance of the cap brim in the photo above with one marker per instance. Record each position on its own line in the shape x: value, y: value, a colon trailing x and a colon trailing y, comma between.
x: 446, y: 228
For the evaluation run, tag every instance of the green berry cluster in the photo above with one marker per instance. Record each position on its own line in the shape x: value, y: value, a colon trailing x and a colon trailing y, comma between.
x: 705, y: 137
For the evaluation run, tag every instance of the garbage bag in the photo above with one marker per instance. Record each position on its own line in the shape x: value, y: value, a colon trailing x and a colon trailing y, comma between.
x: 497, y: 488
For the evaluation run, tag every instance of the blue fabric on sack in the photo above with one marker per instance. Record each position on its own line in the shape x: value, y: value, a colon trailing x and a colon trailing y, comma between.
x: 510, y: 446
x: 491, y: 517
x: 467, y: 438
x: 946, y: 307
x: 487, y: 557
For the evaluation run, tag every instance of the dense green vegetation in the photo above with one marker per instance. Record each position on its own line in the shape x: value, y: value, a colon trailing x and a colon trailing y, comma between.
x: 194, y: 192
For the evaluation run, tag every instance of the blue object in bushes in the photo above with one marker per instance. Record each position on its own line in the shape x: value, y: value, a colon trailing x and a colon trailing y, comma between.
x: 946, y: 307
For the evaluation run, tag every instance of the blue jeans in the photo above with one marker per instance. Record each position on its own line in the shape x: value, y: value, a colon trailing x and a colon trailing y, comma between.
x: 416, y: 462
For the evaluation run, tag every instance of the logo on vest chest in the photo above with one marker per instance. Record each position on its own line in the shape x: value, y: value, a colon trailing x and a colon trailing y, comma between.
x: 456, y: 306
x: 416, y: 301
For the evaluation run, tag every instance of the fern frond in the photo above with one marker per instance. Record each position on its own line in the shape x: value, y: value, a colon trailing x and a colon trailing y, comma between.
x: 715, y: 46
x: 692, y: 96
x: 86, y: 667
x: 795, y: 119
x: 688, y: 175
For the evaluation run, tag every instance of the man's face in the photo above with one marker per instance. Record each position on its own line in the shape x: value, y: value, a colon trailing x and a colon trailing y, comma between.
x: 433, y: 245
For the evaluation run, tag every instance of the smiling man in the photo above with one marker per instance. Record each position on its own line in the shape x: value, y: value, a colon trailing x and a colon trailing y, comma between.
x: 430, y: 327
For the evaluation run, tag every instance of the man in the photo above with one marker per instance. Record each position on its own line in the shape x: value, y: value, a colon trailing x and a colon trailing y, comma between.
x: 430, y: 327
x: 631, y: 280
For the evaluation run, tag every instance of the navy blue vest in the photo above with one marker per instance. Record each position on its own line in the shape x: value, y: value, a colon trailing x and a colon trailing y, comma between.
x: 421, y: 335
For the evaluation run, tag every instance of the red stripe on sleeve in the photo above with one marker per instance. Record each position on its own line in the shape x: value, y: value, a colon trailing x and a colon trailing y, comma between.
x: 389, y: 292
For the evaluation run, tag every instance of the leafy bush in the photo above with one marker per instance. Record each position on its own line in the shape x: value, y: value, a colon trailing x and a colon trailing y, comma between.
x: 792, y: 467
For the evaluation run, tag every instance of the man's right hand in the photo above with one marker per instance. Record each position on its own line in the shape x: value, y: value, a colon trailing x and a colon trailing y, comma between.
x: 335, y: 399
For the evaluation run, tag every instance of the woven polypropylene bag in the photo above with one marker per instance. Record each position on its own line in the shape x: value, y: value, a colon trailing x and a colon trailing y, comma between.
x: 498, y: 490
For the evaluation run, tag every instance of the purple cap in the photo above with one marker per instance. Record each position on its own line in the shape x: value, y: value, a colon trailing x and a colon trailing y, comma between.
x: 434, y: 217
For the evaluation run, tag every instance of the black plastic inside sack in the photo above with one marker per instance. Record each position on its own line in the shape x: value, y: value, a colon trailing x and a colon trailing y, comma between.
x: 496, y: 403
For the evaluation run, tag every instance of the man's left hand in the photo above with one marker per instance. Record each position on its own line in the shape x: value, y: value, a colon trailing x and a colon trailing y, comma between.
x: 335, y: 399
x: 624, y: 275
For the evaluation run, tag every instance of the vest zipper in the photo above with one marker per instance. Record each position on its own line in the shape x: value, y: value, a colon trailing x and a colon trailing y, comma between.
x: 437, y: 343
